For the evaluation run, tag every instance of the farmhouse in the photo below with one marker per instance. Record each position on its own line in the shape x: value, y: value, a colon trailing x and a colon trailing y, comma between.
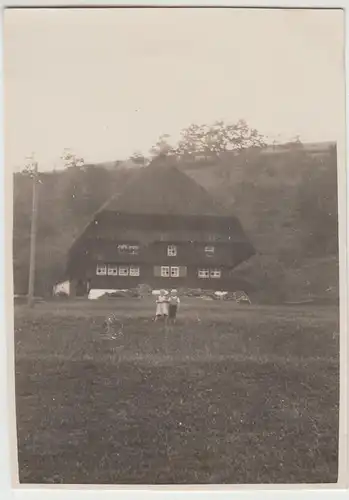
x: 163, y: 230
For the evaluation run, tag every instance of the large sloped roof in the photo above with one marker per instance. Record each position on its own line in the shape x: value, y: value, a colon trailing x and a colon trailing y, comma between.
x: 164, y: 189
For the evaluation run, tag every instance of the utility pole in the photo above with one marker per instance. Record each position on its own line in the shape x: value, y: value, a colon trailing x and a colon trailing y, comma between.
x: 33, y: 232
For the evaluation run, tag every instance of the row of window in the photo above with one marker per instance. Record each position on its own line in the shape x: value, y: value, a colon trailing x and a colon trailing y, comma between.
x: 173, y: 271
x: 171, y: 250
x: 165, y: 271
x: 113, y: 270
x: 209, y: 273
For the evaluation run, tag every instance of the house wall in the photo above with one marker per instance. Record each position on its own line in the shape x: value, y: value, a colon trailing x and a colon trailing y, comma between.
x: 151, y: 275
x: 153, y: 235
x: 228, y: 254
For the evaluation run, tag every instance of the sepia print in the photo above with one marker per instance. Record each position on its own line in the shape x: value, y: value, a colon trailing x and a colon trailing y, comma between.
x: 175, y: 243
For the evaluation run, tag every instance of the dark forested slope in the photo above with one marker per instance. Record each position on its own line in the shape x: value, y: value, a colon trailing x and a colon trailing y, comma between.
x: 287, y: 203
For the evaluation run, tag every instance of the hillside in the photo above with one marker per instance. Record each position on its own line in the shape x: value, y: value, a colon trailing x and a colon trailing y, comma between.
x: 288, y: 207
x: 287, y: 204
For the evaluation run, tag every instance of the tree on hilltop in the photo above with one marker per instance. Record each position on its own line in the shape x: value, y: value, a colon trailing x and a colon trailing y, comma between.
x: 212, y: 140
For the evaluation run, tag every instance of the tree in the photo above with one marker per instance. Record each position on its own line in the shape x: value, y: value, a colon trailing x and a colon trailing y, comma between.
x: 162, y: 147
x: 29, y: 166
x: 138, y: 158
x: 212, y: 140
x: 72, y: 160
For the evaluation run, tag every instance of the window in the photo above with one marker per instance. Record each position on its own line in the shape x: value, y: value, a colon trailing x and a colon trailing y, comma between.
x: 133, y: 249
x: 172, y: 251
x: 215, y: 273
x: 203, y: 273
x: 209, y: 250
x: 165, y: 271
x: 174, y: 272
x: 123, y: 271
x: 112, y: 270
x: 122, y: 248
x: 101, y: 269
x: 128, y: 249
x: 134, y: 271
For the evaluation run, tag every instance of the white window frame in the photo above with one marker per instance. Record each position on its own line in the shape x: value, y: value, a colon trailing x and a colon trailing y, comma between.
x: 165, y: 271
x: 203, y: 273
x: 134, y: 271
x: 125, y: 248
x: 133, y: 249
x: 209, y: 250
x: 122, y: 247
x: 215, y: 273
x: 124, y: 270
x: 174, y: 272
x: 171, y: 251
x: 101, y: 270
x: 112, y: 270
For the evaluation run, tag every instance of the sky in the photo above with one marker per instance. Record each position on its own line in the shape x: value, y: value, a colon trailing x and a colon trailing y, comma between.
x: 108, y: 82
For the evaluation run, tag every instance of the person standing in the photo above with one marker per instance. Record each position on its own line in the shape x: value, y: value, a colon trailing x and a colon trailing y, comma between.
x: 173, y: 302
x: 161, y: 306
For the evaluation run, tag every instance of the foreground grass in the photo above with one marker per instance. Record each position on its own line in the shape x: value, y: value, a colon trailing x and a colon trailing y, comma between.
x: 230, y: 395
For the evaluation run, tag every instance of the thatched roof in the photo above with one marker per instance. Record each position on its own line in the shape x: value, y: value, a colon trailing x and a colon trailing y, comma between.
x: 164, y: 189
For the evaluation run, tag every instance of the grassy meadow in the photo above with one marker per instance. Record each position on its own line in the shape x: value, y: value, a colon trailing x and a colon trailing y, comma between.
x: 230, y: 394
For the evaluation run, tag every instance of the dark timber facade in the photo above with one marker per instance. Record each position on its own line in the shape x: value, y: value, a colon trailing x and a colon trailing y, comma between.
x: 163, y: 230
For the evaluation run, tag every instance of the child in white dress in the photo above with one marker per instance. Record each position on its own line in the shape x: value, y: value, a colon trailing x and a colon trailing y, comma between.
x: 161, y: 306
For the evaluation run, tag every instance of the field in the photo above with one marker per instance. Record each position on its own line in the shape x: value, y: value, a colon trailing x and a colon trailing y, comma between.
x: 230, y: 394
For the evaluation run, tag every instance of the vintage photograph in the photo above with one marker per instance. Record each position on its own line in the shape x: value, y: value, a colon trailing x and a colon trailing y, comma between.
x: 175, y: 243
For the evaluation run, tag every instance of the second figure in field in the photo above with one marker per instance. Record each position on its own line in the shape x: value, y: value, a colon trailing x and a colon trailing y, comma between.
x: 173, y: 305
